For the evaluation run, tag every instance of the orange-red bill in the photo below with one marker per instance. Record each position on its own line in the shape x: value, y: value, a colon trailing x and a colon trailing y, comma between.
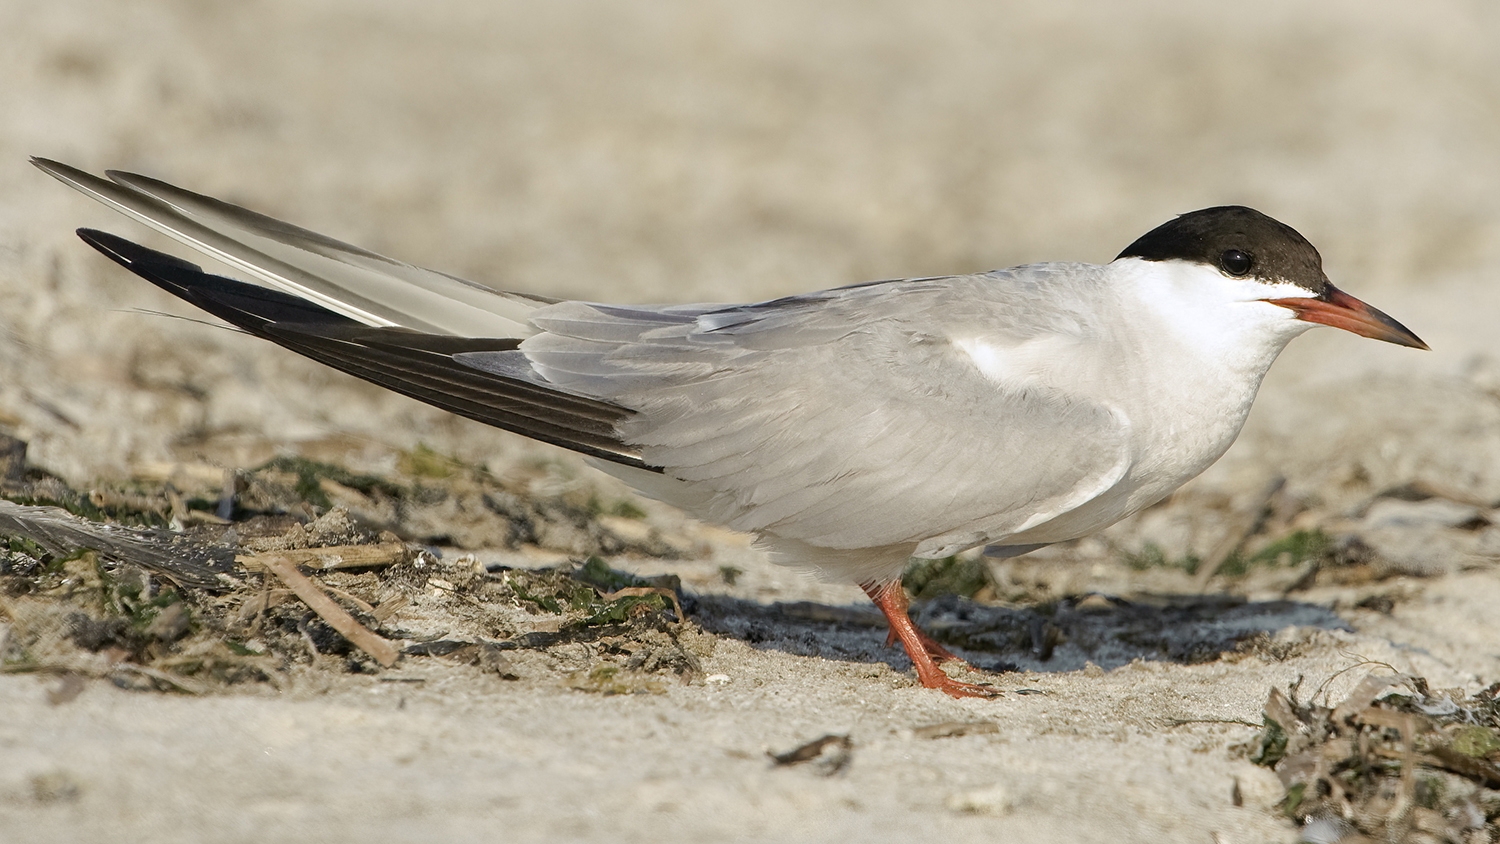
x: 1340, y: 310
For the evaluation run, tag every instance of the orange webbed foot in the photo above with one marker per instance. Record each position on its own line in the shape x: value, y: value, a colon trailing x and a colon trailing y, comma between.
x: 957, y: 688
x: 924, y: 651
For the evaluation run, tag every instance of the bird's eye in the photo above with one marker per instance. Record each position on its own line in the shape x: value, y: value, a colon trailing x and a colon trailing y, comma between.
x: 1235, y: 262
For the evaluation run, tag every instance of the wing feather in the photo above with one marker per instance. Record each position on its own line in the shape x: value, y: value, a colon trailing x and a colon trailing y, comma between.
x: 802, y: 418
x: 431, y: 368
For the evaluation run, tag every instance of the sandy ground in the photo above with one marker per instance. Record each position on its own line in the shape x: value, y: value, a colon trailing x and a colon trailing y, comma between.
x: 690, y: 151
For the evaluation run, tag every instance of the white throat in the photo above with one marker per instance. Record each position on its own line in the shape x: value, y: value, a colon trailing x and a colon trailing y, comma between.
x: 1213, y: 317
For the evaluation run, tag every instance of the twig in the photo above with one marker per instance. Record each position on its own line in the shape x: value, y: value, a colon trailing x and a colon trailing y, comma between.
x: 1359, y: 661
x: 327, y: 609
x: 1238, y: 532
x: 1178, y: 722
x: 353, y: 599
x: 161, y: 676
x: 830, y: 754
x: 331, y: 557
x: 389, y: 607
x: 950, y: 729
x: 811, y: 750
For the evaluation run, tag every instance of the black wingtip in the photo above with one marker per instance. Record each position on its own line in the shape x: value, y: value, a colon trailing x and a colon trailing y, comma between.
x: 132, y: 256
x: 102, y: 241
x: 247, y: 306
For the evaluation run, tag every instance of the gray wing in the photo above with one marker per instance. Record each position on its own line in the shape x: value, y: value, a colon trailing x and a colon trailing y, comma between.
x: 832, y: 418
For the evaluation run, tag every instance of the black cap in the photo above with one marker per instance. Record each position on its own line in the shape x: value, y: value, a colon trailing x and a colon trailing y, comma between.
x: 1238, y: 241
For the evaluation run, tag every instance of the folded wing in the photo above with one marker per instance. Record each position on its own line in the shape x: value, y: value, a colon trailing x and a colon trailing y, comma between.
x: 505, y: 393
x: 839, y: 418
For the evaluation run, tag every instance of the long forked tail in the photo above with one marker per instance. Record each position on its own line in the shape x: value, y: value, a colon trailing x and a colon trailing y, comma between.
x: 356, y: 283
x: 419, y: 357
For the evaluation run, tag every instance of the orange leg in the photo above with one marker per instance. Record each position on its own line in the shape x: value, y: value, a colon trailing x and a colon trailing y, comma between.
x: 924, y: 651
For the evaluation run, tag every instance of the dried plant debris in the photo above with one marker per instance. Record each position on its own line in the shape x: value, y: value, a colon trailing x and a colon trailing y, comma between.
x: 53, y: 531
x: 128, y: 504
x: 443, y: 502
x: 953, y: 729
x: 828, y: 755
x: 1288, y: 538
x: 1297, y: 548
x: 282, y: 586
x: 87, y: 615
x: 1395, y: 761
x: 966, y: 576
x: 609, y: 679
x: 460, y: 506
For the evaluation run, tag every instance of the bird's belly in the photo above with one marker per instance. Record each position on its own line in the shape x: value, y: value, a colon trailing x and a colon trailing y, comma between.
x: 1174, y: 439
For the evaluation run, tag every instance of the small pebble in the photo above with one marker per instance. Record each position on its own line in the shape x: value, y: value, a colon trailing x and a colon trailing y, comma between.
x: 991, y: 800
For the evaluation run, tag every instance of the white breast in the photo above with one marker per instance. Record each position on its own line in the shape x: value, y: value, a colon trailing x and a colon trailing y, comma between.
x: 1179, y: 351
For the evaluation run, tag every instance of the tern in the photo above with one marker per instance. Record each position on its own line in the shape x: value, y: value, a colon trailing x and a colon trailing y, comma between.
x: 849, y: 430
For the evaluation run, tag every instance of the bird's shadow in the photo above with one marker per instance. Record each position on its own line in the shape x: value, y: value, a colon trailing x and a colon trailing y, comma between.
x: 1063, y: 635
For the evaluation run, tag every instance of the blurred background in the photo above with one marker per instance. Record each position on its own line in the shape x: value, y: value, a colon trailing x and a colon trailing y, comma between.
x: 692, y: 150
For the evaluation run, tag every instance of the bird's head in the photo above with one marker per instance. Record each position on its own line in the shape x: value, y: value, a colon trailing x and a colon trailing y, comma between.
x: 1266, y: 261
